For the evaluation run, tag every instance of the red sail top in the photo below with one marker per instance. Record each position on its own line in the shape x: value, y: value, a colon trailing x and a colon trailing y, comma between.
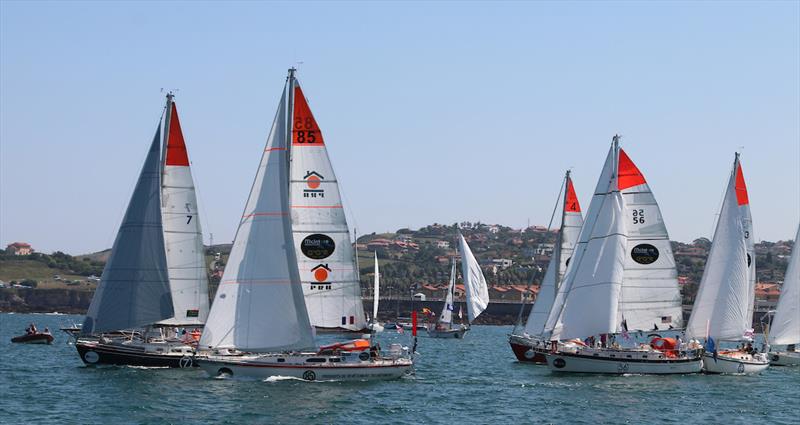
x: 628, y: 175
x: 305, y: 130
x: 741, y: 188
x: 176, y: 148
x: 571, y: 203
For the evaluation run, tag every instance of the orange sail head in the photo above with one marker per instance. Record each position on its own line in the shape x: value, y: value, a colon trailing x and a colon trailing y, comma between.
x: 741, y: 188
x: 176, y: 148
x: 571, y: 203
x: 305, y: 130
x: 628, y: 175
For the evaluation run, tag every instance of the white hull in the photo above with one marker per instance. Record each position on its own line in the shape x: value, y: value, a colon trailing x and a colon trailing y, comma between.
x: 784, y: 358
x: 734, y: 363
x: 375, y: 327
x: 456, y: 333
x: 306, y: 366
x: 638, y: 363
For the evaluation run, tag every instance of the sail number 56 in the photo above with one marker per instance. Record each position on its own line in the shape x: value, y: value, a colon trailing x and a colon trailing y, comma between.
x: 638, y: 216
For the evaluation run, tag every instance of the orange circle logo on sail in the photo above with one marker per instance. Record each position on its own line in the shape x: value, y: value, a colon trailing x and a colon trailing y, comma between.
x: 313, y: 182
x: 321, y: 272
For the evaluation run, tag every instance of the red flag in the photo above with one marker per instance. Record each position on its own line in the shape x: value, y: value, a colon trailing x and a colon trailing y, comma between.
x: 414, y: 323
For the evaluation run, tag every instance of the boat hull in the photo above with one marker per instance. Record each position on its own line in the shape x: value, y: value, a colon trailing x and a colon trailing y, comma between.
x: 447, y: 333
x: 562, y: 362
x: 97, y: 353
x: 784, y: 358
x: 525, y: 350
x: 733, y: 364
x: 297, y: 366
x: 37, y: 338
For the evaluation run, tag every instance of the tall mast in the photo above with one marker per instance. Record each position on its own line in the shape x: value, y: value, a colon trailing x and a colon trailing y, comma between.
x: 291, y: 81
x: 165, y: 134
x: 560, y: 237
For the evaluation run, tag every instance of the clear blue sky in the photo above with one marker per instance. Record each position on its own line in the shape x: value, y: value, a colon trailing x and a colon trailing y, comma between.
x: 432, y: 112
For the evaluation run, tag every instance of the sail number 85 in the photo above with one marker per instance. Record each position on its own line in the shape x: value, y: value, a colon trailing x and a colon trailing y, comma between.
x: 638, y: 216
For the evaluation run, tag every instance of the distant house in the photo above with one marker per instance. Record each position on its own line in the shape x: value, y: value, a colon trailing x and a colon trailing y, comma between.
x: 544, y: 249
x: 442, y: 244
x: 494, y: 229
x: 768, y: 291
x: 503, y: 263
x: 19, y: 248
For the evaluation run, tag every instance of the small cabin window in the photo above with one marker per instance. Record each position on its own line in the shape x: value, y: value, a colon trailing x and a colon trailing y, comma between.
x: 281, y: 360
x: 629, y: 356
x: 316, y: 360
x: 334, y: 360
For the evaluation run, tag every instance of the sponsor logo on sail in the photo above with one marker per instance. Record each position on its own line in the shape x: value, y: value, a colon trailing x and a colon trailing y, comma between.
x: 313, y: 183
x: 644, y: 253
x: 317, y: 246
x: 321, y: 273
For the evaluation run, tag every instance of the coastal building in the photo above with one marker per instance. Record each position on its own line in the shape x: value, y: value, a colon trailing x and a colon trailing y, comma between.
x: 19, y: 248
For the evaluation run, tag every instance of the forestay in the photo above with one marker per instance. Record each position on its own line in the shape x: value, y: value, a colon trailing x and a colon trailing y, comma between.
x: 182, y: 233
x: 474, y: 281
x: 322, y: 238
x: 722, y: 308
x: 785, y: 327
x: 259, y: 306
x: 134, y: 288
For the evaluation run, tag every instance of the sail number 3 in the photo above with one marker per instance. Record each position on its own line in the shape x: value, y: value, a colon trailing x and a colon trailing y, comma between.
x: 638, y: 216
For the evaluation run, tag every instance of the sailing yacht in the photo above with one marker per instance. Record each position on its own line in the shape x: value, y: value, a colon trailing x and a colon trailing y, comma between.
x: 155, y: 280
x: 723, y: 308
x: 785, y: 328
x: 528, y: 345
x: 477, y: 293
x: 621, y: 279
x: 259, y: 325
x: 375, y: 326
x: 325, y: 256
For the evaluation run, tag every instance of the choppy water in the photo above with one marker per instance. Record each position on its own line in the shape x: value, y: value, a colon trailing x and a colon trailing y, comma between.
x: 475, y: 380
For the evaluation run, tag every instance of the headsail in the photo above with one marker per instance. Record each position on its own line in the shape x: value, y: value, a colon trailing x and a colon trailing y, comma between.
x: 571, y: 222
x: 785, y: 327
x: 622, y: 267
x: 474, y: 281
x: 376, y: 295
x: 322, y: 238
x: 722, y: 308
x: 182, y: 233
x: 447, y: 311
x: 134, y: 289
x: 259, y: 306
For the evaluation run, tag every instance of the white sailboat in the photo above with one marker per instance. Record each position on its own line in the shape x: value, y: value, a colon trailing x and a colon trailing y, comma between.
x: 325, y: 256
x: 529, y: 345
x: 785, y: 328
x: 155, y: 279
x: 723, y: 308
x: 622, y: 278
x: 477, y: 294
x: 259, y: 325
x: 374, y: 325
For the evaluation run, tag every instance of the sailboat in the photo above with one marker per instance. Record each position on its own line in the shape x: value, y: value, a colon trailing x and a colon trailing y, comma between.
x: 325, y: 256
x: 528, y: 344
x: 259, y: 325
x: 477, y: 293
x: 723, y: 308
x: 785, y: 328
x: 621, y: 279
x: 374, y: 325
x: 155, y: 279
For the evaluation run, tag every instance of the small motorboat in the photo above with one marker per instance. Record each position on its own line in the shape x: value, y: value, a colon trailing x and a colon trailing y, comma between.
x: 34, y: 338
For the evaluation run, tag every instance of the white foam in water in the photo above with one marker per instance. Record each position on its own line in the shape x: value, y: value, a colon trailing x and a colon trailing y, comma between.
x: 279, y: 378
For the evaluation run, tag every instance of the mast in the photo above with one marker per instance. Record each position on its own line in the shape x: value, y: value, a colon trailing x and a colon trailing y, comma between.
x: 290, y: 82
x: 165, y: 134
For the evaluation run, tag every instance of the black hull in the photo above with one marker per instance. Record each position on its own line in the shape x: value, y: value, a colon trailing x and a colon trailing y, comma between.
x: 101, y: 354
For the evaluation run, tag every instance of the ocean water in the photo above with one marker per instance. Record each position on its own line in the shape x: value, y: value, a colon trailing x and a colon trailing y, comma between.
x: 475, y: 380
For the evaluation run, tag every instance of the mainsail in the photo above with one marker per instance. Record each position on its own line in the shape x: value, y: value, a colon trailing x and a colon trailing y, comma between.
x: 376, y: 294
x: 722, y: 308
x: 182, y: 233
x: 785, y: 327
x: 322, y: 239
x: 134, y: 288
x: 622, y: 270
x: 474, y: 281
x: 259, y: 306
x: 571, y: 222
x: 447, y: 311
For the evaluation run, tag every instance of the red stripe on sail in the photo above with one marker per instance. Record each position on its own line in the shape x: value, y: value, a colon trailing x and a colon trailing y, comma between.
x: 627, y: 174
x: 176, y: 148
x: 305, y: 131
x: 572, y: 204
x: 741, y: 188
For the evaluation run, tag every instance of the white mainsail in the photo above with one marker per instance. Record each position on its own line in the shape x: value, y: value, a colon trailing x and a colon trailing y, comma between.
x: 622, y: 270
x: 183, y: 236
x: 474, y: 281
x: 134, y: 289
x: 571, y: 222
x: 785, y: 327
x: 722, y: 308
x: 376, y: 295
x: 322, y: 238
x: 259, y: 306
x: 447, y: 311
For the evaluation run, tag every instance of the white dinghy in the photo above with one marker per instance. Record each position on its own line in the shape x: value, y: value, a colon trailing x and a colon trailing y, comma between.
x: 622, y: 278
x: 785, y: 328
x: 259, y: 325
x: 723, y: 308
x: 528, y: 344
